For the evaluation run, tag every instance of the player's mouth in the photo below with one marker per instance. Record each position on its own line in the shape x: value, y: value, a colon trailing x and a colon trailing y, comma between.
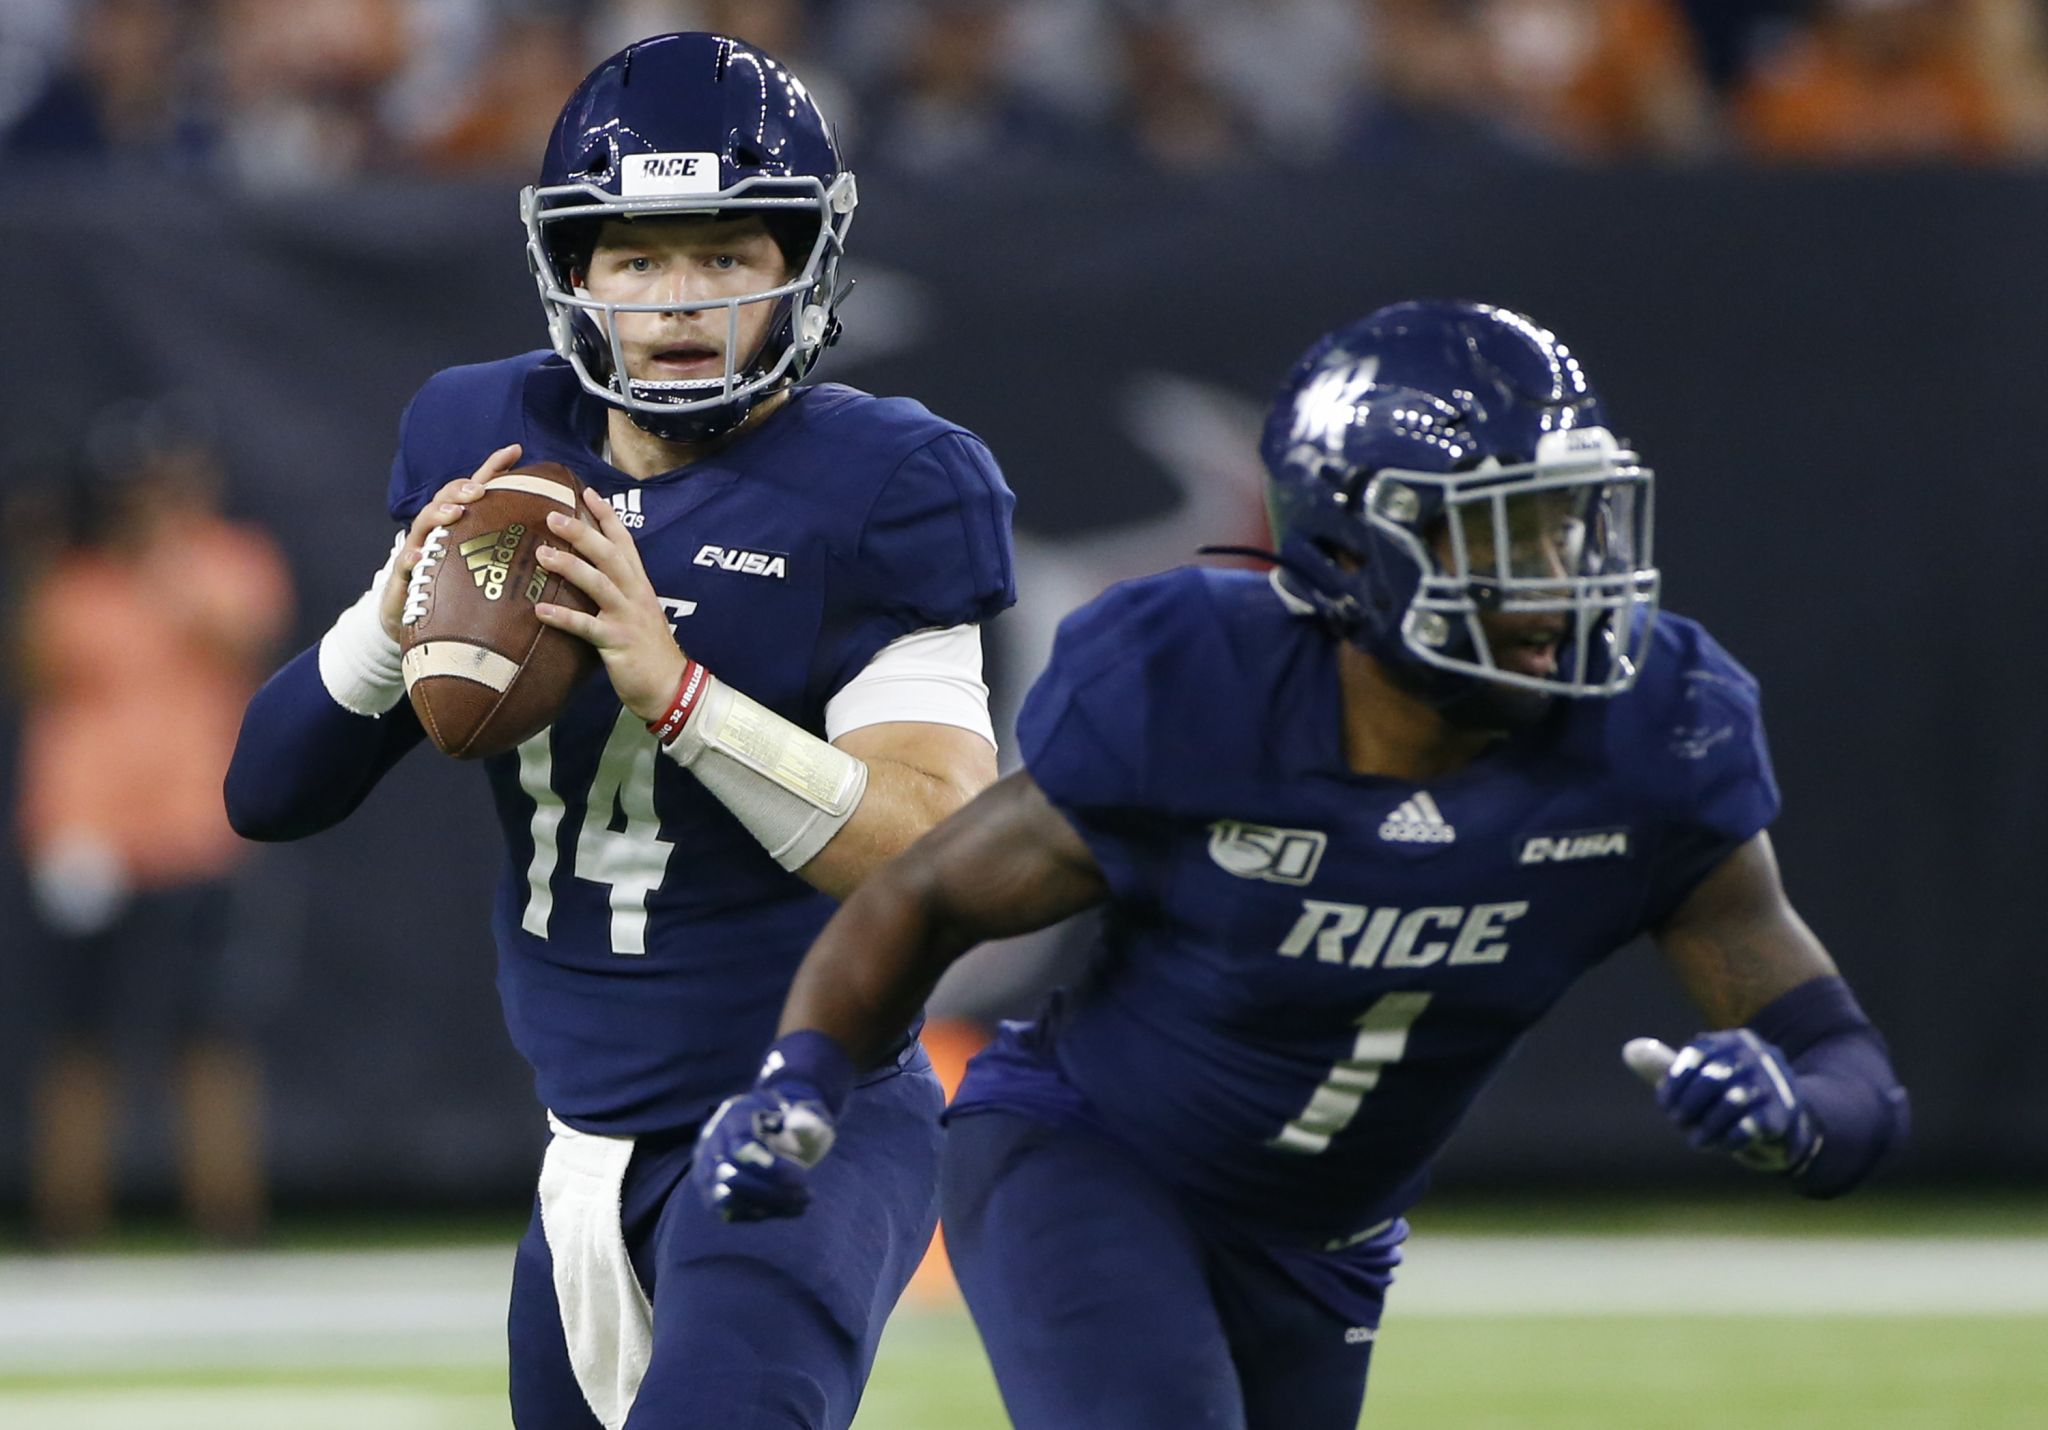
x: 1531, y: 652
x: 685, y: 360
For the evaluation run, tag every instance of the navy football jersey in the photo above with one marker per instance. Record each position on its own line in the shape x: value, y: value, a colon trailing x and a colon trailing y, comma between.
x: 1307, y: 974
x: 646, y: 940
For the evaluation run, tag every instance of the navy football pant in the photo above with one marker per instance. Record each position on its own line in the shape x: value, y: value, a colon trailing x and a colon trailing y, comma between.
x: 1104, y: 1307
x: 759, y: 1324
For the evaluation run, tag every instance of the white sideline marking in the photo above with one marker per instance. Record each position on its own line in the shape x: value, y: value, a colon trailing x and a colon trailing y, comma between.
x: 448, y: 1307
x: 179, y: 1408
x: 255, y: 1308
x: 1721, y: 1276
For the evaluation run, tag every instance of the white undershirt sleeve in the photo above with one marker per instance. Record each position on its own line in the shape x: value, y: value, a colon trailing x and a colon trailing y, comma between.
x: 930, y: 676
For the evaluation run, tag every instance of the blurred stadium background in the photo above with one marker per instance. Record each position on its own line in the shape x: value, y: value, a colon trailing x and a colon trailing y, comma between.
x: 1796, y: 241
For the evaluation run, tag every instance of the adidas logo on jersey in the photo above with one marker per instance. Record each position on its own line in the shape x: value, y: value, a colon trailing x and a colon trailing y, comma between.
x: 772, y: 564
x: 1565, y: 848
x: 1418, y: 821
x: 627, y: 505
x: 490, y: 558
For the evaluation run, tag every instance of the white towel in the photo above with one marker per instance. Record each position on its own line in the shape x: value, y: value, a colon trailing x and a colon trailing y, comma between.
x: 606, y: 1317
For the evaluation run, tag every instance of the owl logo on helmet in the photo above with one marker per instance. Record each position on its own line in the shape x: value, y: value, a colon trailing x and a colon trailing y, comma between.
x: 1437, y: 463
x: 691, y: 124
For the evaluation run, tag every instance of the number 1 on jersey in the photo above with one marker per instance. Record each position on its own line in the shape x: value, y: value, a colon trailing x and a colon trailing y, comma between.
x: 1382, y: 1040
x: 630, y: 862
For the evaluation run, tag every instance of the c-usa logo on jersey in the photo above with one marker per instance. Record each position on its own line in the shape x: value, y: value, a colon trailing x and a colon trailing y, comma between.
x: 772, y: 564
x: 1571, y: 847
x: 1259, y: 851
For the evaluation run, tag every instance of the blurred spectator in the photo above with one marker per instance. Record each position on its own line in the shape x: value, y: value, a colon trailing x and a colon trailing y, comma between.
x: 538, y: 55
x: 312, y: 92
x: 1600, y: 78
x: 1174, y: 115
x: 1733, y: 36
x: 1585, y: 79
x: 945, y: 98
x: 781, y: 27
x: 1879, y: 80
x: 126, y: 89
x: 302, y: 85
x: 2010, y: 41
x: 138, y: 648
x: 1297, y: 70
x: 35, y: 39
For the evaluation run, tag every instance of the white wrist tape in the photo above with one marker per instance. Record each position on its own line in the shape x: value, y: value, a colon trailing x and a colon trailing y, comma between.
x: 359, y: 663
x: 790, y: 789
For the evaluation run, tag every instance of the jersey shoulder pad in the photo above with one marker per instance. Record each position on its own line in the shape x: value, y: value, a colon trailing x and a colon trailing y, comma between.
x: 458, y: 417
x: 880, y: 429
x: 1123, y: 712
x: 929, y: 542
x: 1690, y: 737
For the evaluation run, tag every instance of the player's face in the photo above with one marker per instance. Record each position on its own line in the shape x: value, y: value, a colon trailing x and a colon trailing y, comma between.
x: 686, y: 260
x: 1531, y: 536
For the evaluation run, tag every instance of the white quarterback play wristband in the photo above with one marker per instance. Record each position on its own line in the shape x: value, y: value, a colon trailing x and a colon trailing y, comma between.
x: 359, y: 662
x: 791, y: 790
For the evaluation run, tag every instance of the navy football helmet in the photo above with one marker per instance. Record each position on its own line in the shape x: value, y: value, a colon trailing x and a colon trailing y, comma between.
x: 1438, y: 460
x: 689, y: 124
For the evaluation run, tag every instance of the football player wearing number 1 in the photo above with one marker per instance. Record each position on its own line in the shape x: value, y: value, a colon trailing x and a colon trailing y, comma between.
x: 1356, y: 830
x: 678, y: 836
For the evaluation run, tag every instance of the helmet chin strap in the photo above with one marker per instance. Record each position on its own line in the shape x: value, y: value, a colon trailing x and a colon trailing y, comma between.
x: 705, y: 426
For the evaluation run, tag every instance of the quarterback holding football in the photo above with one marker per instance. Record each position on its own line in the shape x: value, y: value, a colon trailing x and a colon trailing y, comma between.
x: 782, y: 583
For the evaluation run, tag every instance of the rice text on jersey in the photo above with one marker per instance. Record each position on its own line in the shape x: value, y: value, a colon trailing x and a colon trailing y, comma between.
x: 1362, y: 937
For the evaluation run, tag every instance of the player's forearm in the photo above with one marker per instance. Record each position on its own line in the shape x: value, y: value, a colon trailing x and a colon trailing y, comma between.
x: 302, y: 762
x: 1004, y: 865
x: 870, y: 971
x: 900, y: 805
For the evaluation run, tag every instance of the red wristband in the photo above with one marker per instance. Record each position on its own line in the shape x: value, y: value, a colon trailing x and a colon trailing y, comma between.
x: 688, y: 691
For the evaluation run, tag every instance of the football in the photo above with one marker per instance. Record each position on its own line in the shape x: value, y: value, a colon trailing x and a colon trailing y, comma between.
x: 481, y: 670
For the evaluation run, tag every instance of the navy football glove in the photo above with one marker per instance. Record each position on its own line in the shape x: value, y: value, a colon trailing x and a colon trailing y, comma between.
x: 755, y: 1154
x: 1731, y: 1092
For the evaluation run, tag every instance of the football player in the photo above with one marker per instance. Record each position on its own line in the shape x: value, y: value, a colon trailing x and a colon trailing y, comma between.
x: 1355, y: 829
x: 679, y: 836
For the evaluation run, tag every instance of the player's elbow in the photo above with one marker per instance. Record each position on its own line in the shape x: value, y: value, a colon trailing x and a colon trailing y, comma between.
x: 251, y: 813
x: 941, y: 782
x: 262, y: 808
x: 932, y: 900
x: 903, y: 895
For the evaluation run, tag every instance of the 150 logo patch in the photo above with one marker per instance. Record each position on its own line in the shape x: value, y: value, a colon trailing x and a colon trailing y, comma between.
x: 1258, y: 851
